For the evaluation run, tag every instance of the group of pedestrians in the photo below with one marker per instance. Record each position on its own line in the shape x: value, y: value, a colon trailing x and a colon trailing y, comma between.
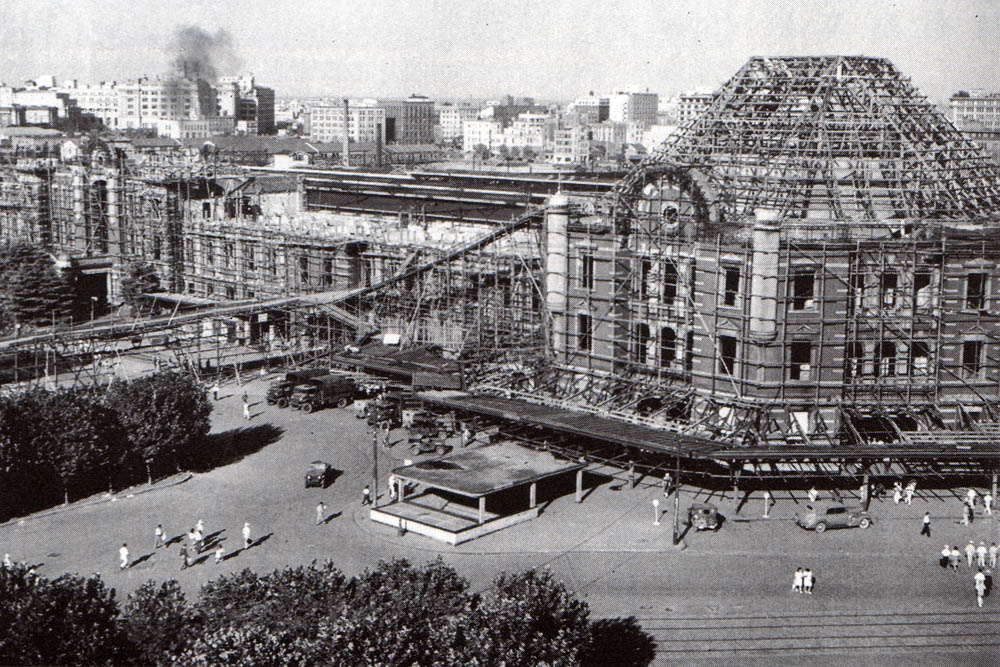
x: 803, y: 581
x: 981, y: 558
x: 969, y: 505
x: 195, y: 545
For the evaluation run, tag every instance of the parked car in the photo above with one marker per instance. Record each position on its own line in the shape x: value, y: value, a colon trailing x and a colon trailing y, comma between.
x: 323, y: 391
x: 319, y: 474
x: 702, y: 516
x: 821, y: 517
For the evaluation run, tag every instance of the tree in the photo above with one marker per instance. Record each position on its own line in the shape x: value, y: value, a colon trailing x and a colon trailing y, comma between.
x: 618, y: 641
x: 32, y: 290
x: 66, y: 621
x: 403, y: 615
x: 80, y: 438
x: 515, y: 152
x: 481, y: 151
x: 528, y: 152
x: 165, y: 417
x: 140, y: 278
x: 529, y: 619
x: 158, y: 621
x: 504, y: 151
x: 253, y: 645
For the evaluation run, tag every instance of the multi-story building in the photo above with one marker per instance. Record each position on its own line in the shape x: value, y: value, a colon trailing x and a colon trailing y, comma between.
x: 365, y: 122
x: 530, y: 130
x: 570, y: 145
x: 241, y: 97
x: 143, y: 102
x: 453, y: 117
x: 43, y: 106
x: 593, y: 108
x: 975, y: 105
x: 486, y: 133
x: 99, y: 100
x: 633, y: 107
x: 193, y: 128
x: 409, y: 121
x: 691, y: 105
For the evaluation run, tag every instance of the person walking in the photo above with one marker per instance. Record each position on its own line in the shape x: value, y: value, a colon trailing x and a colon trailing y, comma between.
x: 797, y: 580
x: 970, y: 552
x: 219, y: 554
x: 993, y: 555
x: 185, y: 557
x: 911, y: 488
x: 955, y: 558
x: 981, y: 552
x: 246, y: 534
x: 980, y: 580
x: 200, y: 526
x: 807, y: 581
x: 966, y: 514
x: 123, y: 554
x: 246, y: 407
x: 199, y: 540
x: 897, y: 492
x: 988, y: 503
x: 320, y: 512
x: 945, y: 556
x: 971, y: 497
x: 926, y: 530
x: 366, y: 496
x: 813, y: 494
x: 767, y: 503
x: 158, y: 538
x: 7, y: 563
x: 215, y: 390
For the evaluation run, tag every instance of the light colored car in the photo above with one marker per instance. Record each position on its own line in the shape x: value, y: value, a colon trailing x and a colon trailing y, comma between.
x: 821, y: 517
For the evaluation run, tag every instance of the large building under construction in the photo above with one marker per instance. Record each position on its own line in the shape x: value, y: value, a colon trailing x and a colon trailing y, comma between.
x: 810, y: 264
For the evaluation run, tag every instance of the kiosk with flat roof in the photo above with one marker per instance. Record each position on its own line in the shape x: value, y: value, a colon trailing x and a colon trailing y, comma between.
x: 473, y: 492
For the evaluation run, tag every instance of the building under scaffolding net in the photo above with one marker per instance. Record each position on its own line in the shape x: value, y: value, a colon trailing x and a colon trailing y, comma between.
x: 802, y: 281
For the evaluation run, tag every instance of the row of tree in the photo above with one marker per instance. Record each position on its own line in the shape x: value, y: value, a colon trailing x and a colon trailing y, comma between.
x: 58, y: 445
x: 506, y: 152
x: 396, y: 614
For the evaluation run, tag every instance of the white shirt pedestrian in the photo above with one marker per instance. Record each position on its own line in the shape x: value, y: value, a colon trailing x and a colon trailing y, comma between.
x: 767, y: 503
x: 981, y: 554
x: 807, y: 581
x: 123, y: 554
x: 797, y: 580
x: 813, y: 495
x: 200, y: 526
x: 7, y: 562
x: 970, y: 552
x: 158, y: 536
x: 897, y: 492
x: 246, y: 535
x: 971, y: 495
x: 219, y: 554
x: 988, y: 503
x: 993, y: 554
x: 980, y: 580
x: 910, y: 490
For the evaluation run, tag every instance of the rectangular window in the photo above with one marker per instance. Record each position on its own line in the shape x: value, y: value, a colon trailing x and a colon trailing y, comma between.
x: 251, y: 256
x: 731, y: 288
x: 156, y: 247
x: 801, y: 358
x: 972, y: 358
x: 645, y: 268
x: 975, y: 291
x: 668, y: 347
x: 585, y: 332
x: 920, y: 358
x: 889, y: 283
x: 327, y: 271
x: 803, y: 289
x: 727, y: 355
x: 640, y: 338
x: 689, y: 352
x: 885, y: 360
x: 304, y: 270
x: 587, y: 271
x: 669, y: 282
x: 230, y: 292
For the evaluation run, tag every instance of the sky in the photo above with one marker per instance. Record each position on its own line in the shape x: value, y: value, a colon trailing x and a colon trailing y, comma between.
x: 551, y: 49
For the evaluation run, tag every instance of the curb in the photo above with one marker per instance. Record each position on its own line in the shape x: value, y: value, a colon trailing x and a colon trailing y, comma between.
x: 18, y: 521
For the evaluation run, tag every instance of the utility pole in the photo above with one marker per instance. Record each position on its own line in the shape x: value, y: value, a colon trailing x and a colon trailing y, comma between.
x: 375, y: 465
x: 677, y: 502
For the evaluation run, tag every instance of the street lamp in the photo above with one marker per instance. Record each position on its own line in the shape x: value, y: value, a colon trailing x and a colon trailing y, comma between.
x: 656, y: 510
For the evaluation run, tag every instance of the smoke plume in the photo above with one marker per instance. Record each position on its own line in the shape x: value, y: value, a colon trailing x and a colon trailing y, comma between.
x: 198, y: 54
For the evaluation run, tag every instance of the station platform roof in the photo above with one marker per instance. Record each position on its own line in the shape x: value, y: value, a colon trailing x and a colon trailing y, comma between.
x: 918, y: 446
x: 481, y: 471
x: 576, y: 422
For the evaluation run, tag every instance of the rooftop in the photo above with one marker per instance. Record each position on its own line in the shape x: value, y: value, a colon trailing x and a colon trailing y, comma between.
x: 484, y: 470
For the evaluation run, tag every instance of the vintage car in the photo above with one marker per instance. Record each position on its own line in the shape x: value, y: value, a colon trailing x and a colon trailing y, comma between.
x: 319, y: 474
x: 702, y: 516
x: 821, y: 517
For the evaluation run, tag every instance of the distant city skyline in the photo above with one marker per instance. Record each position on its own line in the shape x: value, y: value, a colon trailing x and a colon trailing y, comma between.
x: 555, y: 50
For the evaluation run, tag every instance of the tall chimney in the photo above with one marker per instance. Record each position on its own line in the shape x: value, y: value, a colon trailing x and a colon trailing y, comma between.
x: 347, y: 135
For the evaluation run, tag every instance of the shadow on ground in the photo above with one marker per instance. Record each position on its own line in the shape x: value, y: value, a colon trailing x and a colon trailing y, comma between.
x: 232, y: 445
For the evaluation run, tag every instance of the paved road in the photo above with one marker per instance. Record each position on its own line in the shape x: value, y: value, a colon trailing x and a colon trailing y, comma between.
x: 725, y: 598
